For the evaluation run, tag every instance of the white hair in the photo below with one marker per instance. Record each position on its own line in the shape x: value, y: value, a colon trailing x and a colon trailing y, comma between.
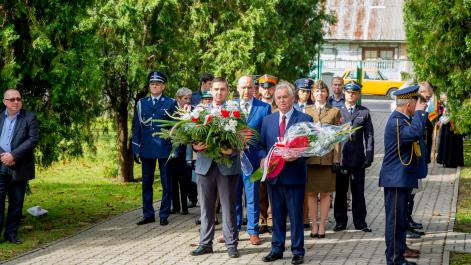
x: 184, y: 91
x: 285, y: 84
x: 403, y: 101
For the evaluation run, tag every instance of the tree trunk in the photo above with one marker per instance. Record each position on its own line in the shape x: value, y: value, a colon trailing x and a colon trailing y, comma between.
x: 125, y: 154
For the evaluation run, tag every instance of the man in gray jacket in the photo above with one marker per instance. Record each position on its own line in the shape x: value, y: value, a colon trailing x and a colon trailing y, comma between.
x: 214, y: 178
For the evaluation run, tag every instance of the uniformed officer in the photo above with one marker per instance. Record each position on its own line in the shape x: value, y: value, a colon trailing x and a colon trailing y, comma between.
x: 303, y: 93
x: 356, y: 156
x: 398, y: 175
x: 267, y: 89
x: 148, y: 147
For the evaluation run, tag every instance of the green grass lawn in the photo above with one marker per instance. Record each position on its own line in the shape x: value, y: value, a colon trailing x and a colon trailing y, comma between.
x: 77, y: 194
x: 463, y: 210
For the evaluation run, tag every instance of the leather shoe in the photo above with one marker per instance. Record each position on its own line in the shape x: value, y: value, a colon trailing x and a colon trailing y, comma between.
x: 364, y: 229
x: 420, y: 233
x: 412, y: 234
x: 255, y: 240
x: 410, y: 254
x: 233, y: 252
x: 297, y: 259
x: 306, y: 226
x: 163, y: 221
x: 146, y: 221
x: 272, y: 256
x: 184, y: 212
x: 13, y: 239
x: 414, y: 225
x: 339, y: 227
x: 263, y: 229
x: 201, y: 250
x: 414, y: 250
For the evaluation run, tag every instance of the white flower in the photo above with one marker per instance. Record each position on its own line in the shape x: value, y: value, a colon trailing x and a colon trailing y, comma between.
x: 195, y: 114
x: 232, y: 105
x: 186, y: 116
x: 215, y: 112
x: 231, y: 126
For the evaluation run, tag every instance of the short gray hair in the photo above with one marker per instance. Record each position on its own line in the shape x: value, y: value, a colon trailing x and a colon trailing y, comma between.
x: 184, y: 91
x: 425, y: 86
x: 285, y: 84
x: 403, y: 101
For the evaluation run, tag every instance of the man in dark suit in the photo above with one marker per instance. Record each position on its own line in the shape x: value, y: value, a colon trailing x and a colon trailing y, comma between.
x: 149, y: 147
x: 356, y: 156
x: 400, y: 168
x: 19, y: 136
x: 287, y: 190
x: 214, y: 178
x: 206, y: 80
x: 254, y: 110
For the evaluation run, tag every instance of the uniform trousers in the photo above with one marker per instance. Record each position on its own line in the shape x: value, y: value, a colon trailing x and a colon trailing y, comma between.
x: 208, y: 187
x: 396, y: 208
x: 15, y: 190
x: 148, y: 173
x: 180, y: 175
x: 356, y: 178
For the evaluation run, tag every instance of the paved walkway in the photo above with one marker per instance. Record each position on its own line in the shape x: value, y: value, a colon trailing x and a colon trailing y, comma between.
x: 119, y: 241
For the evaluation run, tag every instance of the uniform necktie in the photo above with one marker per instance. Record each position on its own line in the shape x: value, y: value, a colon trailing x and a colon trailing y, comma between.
x: 282, y: 125
x: 154, y: 101
x: 350, y: 110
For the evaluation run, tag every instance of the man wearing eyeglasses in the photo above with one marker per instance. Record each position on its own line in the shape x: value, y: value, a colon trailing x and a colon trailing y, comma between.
x: 18, y: 138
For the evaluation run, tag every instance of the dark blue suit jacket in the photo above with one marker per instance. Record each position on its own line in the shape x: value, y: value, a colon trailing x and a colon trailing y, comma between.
x: 393, y: 173
x: 195, y: 98
x: 257, y: 113
x: 359, y: 147
x: 293, y: 173
x: 145, y: 142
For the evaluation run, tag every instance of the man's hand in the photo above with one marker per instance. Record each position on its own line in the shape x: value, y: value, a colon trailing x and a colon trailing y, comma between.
x: 262, y: 162
x: 199, y: 146
x: 226, y: 152
x: 7, y: 159
x: 289, y: 157
x: 421, y: 105
x: 137, y: 159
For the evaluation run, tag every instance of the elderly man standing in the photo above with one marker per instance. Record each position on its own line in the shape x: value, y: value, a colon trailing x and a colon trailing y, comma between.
x: 337, y: 99
x: 400, y: 168
x: 254, y: 111
x: 286, y: 191
x: 214, y: 178
x: 19, y: 136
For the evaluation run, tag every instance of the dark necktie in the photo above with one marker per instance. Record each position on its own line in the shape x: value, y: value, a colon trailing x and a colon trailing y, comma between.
x: 350, y: 110
x: 282, y: 126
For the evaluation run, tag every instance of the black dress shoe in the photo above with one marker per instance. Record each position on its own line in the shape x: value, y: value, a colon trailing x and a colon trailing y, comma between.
x: 306, y: 226
x: 198, y: 221
x: 163, y: 221
x: 412, y: 234
x: 263, y: 229
x: 184, y: 212
x: 339, y: 227
x: 173, y: 211
x: 146, y: 221
x: 321, y: 236
x: 414, y: 225
x: 233, y: 252
x: 13, y: 239
x: 297, y: 259
x: 316, y: 235
x: 364, y: 229
x: 272, y: 256
x: 201, y: 250
x: 420, y: 233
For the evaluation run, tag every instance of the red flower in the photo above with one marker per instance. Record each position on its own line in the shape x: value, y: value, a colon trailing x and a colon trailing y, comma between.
x: 207, y: 119
x: 298, y: 142
x: 194, y: 119
x: 236, y: 114
x: 225, y: 113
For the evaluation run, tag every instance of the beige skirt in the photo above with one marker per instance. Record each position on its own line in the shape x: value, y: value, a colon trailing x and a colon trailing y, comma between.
x: 320, y: 179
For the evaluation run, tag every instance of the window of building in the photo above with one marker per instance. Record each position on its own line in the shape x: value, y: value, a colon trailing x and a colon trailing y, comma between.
x: 376, y: 53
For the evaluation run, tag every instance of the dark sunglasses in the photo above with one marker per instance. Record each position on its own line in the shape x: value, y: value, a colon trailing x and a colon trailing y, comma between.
x: 13, y: 99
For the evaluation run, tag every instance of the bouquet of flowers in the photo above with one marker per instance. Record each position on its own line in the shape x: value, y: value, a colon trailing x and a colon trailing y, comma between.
x: 303, y: 139
x: 219, y: 130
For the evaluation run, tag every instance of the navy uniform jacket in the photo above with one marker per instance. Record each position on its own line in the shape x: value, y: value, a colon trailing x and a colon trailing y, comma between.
x: 295, y: 172
x: 393, y: 173
x: 354, y: 152
x: 145, y: 143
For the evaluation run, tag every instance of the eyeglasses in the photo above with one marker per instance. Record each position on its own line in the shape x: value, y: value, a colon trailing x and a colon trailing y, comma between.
x: 13, y: 99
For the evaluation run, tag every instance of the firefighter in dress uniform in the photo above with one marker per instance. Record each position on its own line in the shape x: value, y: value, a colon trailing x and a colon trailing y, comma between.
x: 400, y: 168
